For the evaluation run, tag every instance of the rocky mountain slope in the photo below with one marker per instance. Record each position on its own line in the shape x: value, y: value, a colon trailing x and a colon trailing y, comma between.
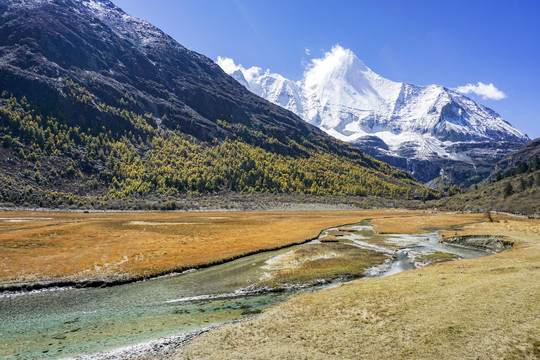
x: 524, y: 156
x: 97, y: 105
x: 431, y: 131
x: 113, y: 54
x: 517, y: 191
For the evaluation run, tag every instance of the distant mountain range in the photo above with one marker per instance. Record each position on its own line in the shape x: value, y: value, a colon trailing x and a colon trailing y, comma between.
x: 431, y: 131
x: 99, y: 106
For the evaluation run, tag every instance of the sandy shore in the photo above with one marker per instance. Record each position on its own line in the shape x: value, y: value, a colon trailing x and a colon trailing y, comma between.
x: 159, y: 348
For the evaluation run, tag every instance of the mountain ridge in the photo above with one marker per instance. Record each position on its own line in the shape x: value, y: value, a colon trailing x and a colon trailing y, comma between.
x: 342, y: 96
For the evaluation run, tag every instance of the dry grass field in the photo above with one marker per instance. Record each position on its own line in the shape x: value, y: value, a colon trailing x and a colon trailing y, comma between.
x: 408, y: 222
x: 483, y: 308
x: 76, y: 246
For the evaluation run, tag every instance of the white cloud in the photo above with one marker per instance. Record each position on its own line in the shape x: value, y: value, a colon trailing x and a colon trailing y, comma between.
x: 308, y: 51
x: 228, y: 65
x: 486, y: 91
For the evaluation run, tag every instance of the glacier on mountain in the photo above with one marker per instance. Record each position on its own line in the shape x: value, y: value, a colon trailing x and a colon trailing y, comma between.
x: 393, y: 121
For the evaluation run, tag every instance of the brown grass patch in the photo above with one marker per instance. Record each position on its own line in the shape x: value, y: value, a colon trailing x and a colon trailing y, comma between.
x: 414, y: 224
x: 438, y: 257
x: 346, y: 229
x: 78, y: 246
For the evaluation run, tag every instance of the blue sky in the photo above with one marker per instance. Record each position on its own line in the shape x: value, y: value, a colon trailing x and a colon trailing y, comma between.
x: 422, y: 42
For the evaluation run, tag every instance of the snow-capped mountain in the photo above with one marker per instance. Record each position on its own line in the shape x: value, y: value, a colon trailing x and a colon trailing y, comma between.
x: 424, y: 129
x: 273, y: 87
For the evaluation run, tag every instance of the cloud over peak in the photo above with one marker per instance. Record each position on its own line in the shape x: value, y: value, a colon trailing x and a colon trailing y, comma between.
x: 486, y: 91
x: 228, y: 65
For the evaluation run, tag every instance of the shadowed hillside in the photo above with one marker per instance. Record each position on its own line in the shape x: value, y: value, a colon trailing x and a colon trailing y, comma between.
x: 99, y: 106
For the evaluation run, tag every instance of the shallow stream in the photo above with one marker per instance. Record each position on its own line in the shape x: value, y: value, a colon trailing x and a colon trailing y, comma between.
x: 70, y: 322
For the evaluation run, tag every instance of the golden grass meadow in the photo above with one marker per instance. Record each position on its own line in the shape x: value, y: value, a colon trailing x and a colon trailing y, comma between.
x: 482, y: 308
x: 56, y: 245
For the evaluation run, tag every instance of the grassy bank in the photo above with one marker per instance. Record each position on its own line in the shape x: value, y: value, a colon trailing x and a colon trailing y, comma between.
x: 80, y: 247
x: 325, y: 261
x: 484, y: 308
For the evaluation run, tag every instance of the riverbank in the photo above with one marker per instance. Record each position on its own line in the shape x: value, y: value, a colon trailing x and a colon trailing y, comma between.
x: 80, y: 320
x: 159, y: 347
x: 47, y: 249
x: 484, y: 308
x: 307, y: 267
x: 495, y: 243
x: 51, y: 249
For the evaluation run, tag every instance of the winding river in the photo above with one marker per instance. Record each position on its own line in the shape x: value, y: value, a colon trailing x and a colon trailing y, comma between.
x: 71, y: 322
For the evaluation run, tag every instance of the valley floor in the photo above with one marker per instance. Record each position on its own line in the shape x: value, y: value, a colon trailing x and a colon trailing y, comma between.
x: 484, y: 308
x: 42, y: 249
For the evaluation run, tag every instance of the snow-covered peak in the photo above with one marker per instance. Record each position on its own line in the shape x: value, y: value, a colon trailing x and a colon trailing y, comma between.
x: 340, y: 82
x: 273, y: 87
x: 338, y: 64
x: 345, y: 98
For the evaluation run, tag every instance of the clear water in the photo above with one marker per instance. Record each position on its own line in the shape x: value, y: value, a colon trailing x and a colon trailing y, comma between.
x: 55, y: 324
x: 64, y: 323
x: 410, y: 247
